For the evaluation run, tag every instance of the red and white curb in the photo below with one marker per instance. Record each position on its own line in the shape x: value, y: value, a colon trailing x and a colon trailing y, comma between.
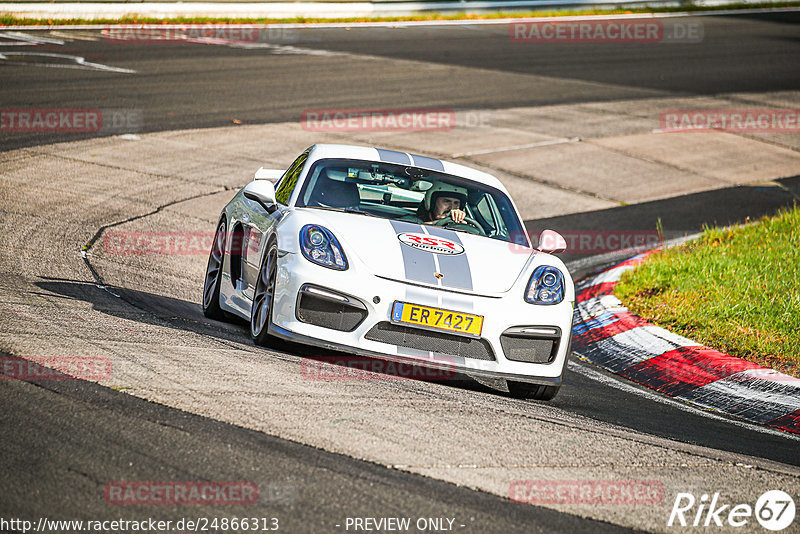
x: 607, y: 334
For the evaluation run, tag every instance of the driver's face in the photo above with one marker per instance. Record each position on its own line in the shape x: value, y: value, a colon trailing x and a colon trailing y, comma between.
x: 444, y: 205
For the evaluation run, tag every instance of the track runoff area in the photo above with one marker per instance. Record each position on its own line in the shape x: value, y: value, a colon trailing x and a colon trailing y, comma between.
x: 633, y: 423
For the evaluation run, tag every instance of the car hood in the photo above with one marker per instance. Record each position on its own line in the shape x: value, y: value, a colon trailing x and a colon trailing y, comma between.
x: 429, y: 255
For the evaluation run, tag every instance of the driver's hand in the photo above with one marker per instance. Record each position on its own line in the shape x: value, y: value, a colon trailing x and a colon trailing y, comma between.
x: 458, y: 215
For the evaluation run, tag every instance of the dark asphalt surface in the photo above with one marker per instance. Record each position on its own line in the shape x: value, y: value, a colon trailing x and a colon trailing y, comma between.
x: 70, y: 438
x: 181, y: 86
x: 680, y: 216
x: 63, y: 440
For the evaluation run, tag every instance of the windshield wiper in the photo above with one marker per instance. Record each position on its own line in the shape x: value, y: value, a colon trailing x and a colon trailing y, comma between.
x: 342, y: 210
x: 460, y: 230
x: 360, y: 212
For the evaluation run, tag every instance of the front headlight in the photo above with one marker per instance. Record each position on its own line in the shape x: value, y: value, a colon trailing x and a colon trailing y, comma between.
x: 321, y: 247
x: 546, y: 286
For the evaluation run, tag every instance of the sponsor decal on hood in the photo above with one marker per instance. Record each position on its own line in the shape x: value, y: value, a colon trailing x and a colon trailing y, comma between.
x: 482, y: 265
x: 429, y: 243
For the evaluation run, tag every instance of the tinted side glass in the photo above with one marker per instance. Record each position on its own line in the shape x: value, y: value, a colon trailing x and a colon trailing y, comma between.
x: 287, y: 184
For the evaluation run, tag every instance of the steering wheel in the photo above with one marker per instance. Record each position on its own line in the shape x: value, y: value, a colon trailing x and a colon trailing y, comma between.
x: 470, y: 223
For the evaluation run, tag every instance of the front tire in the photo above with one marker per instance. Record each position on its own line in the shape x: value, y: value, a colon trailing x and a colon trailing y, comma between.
x: 213, y: 280
x: 532, y: 391
x: 264, y: 297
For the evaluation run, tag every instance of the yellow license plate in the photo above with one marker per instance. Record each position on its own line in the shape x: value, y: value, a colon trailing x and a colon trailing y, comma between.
x: 437, y: 319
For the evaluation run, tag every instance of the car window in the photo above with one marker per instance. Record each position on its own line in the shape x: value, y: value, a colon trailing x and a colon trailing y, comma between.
x: 487, y: 214
x: 287, y: 183
x: 485, y: 211
x: 405, y: 193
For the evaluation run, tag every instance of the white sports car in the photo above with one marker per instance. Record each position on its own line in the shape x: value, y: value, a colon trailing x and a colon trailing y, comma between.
x: 395, y: 256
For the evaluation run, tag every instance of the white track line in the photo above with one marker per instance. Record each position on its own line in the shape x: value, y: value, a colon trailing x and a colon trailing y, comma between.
x: 79, y: 62
x: 26, y: 39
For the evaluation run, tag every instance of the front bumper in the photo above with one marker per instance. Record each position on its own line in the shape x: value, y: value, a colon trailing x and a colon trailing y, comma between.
x: 500, y: 313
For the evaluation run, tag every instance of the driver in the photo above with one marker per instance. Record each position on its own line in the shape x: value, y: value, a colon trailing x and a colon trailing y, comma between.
x: 443, y: 200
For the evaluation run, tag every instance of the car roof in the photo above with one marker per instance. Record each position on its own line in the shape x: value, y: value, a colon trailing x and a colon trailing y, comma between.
x: 322, y: 151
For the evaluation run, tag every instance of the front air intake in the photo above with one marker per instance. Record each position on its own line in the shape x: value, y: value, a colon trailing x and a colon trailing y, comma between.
x: 531, y: 344
x: 329, y: 309
x: 425, y: 340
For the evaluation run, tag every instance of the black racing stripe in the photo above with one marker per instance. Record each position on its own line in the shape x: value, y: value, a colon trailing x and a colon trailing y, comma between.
x: 392, y: 156
x: 428, y: 163
x: 455, y: 268
x: 418, y: 264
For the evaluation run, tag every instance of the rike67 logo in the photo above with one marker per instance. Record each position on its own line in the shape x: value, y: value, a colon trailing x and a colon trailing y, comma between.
x: 774, y: 510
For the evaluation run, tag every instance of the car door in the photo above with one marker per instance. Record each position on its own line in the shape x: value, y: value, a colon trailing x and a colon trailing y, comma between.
x: 260, y: 223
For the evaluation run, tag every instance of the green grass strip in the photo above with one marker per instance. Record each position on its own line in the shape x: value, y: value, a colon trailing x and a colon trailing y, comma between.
x: 736, y: 290
x: 7, y: 20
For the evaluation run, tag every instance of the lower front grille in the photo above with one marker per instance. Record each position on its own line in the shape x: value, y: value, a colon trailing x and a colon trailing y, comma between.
x: 320, y: 311
x: 415, y: 338
x: 528, y: 349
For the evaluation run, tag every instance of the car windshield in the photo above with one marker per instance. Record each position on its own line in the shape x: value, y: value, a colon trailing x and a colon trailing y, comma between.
x: 411, y: 194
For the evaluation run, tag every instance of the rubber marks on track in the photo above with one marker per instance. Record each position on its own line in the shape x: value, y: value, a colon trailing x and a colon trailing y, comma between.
x: 607, y: 334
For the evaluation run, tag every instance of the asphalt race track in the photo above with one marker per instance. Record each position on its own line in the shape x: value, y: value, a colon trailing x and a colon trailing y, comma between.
x: 322, y: 453
x: 182, y: 86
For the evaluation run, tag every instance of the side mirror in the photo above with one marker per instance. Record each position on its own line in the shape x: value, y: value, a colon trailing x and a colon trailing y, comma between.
x: 268, y: 174
x: 263, y: 192
x: 551, y: 242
